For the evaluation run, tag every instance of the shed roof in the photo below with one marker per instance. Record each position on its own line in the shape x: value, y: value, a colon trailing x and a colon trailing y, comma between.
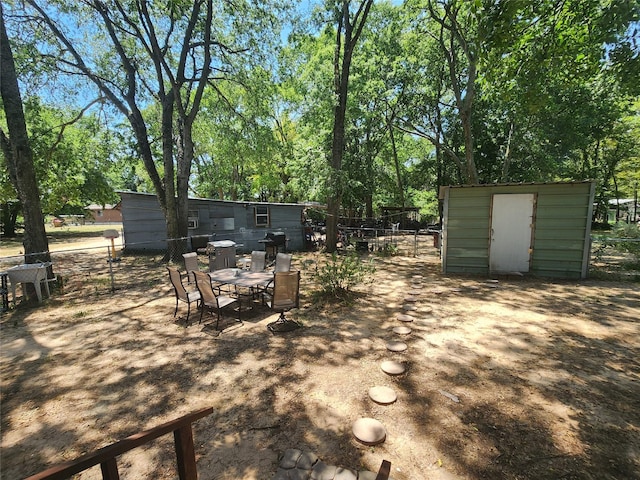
x: 508, y: 184
x: 215, y: 200
x: 620, y: 201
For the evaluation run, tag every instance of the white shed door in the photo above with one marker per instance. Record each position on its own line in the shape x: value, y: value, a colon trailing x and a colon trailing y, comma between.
x: 511, y: 225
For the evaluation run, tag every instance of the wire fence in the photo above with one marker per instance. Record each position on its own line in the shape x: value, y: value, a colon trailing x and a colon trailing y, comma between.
x: 100, y: 270
x: 615, y: 258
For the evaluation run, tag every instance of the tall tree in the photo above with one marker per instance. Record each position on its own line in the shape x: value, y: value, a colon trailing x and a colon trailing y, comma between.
x: 18, y: 154
x: 155, y: 53
x: 349, y: 28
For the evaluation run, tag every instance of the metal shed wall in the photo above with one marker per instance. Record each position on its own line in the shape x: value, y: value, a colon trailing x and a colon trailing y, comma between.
x: 145, y: 227
x: 562, y: 227
x: 143, y: 222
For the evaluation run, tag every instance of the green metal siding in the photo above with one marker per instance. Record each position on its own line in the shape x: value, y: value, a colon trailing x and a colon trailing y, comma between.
x: 560, y: 235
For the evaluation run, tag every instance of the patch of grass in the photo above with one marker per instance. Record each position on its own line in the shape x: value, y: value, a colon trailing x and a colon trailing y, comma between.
x: 79, y: 231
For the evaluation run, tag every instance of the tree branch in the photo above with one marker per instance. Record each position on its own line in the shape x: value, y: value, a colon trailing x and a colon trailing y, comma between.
x: 73, y: 120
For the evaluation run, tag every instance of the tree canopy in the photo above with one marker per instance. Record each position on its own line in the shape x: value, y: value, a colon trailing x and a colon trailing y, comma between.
x: 354, y: 104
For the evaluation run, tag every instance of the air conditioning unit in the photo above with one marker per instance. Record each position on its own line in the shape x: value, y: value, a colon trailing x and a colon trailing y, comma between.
x: 192, y: 223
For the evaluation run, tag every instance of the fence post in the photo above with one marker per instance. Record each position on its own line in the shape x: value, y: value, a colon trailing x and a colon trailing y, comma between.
x: 185, y: 453
x: 110, y: 261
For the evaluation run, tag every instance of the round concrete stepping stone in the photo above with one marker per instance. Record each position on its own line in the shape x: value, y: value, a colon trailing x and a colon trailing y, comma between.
x: 417, y: 293
x: 419, y: 277
x: 405, y: 318
x: 382, y: 395
x: 427, y: 309
x: 396, y: 346
x: 402, y: 330
x: 409, y: 308
x: 369, y: 431
x: 411, y: 298
x: 391, y: 367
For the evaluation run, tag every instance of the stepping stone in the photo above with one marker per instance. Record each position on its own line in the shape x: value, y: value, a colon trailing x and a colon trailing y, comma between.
x: 396, y: 346
x: 306, y: 461
x: 402, y: 330
x: 290, y: 458
x: 320, y: 470
x: 405, y: 318
x: 382, y: 395
x: 411, y: 298
x: 415, y: 292
x: 391, y: 367
x: 367, y: 475
x: 344, y: 474
x: 369, y: 431
x: 419, y: 277
x: 427, y: 309
x: 409, y: 308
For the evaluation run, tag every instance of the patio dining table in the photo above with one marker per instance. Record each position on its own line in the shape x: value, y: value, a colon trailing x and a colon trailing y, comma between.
x: 253, y: 281
x: 241, y: 278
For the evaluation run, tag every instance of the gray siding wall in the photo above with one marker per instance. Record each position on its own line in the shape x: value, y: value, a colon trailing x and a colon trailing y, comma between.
x: 145, y: 228
x: 561, y: 231
x: 143, y: 222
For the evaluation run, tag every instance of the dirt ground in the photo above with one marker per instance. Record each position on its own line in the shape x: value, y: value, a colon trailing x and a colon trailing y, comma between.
x: 507, y: 378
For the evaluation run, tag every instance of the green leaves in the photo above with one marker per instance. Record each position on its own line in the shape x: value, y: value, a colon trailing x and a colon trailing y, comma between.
x: 339, y: 274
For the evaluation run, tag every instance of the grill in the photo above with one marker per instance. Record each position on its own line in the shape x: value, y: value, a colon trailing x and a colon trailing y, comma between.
x: 222, y: 254
x: 274, y: 242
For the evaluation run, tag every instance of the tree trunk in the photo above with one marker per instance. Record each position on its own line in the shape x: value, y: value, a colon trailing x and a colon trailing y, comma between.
x: 471, y: 172
x: 9, y: 216
x: 506, y: 161
x: 20, y: 157
x: 396, y: 162
x: 341, y: 66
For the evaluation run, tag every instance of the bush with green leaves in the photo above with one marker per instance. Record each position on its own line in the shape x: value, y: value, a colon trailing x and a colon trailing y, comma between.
x: 388, y: 250
x: 340, y: 273
x: 626, y: 238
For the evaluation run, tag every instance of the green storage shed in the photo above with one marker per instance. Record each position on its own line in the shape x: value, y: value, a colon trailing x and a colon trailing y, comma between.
x: 541, y: 229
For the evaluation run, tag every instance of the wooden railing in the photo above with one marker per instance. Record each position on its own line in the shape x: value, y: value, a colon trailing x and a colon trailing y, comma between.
x: 385, y: 470
x: 106, y: 456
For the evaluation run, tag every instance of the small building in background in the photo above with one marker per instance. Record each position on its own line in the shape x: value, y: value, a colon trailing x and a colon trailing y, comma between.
x: 625, y: 210
x: 245, y: 223
x: 104, y: 213
x: 540, y: 229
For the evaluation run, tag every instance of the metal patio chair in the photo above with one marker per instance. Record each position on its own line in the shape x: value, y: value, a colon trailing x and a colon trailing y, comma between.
x: 284, y: 297
x: 210, y: 299
x: 190, y: 265
x: 182, y: 295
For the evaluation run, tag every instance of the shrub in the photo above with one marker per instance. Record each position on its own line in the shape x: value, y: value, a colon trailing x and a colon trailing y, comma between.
x: 388, y: 250
x: 341, y: 273
x: 627, y: 239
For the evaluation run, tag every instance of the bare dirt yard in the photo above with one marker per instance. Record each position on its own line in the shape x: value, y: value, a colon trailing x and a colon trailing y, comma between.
x: 506, y: 378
